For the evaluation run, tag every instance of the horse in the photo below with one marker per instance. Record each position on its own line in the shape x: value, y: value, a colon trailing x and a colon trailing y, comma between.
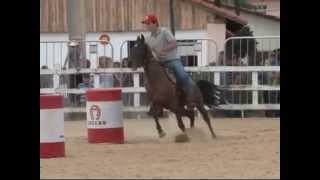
x: 164, y: 93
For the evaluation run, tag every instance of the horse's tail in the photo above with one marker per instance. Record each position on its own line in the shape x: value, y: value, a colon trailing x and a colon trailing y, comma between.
x: 211, y: 93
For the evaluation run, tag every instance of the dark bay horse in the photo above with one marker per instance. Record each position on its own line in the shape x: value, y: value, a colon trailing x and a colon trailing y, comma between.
x: 164, y: 93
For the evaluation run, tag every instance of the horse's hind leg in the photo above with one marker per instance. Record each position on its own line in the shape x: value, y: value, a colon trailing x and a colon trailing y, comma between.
x: 190, y: 115
x: 206, y: 118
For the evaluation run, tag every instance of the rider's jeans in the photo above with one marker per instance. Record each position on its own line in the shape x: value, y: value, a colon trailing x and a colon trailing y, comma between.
x: 182, y: 76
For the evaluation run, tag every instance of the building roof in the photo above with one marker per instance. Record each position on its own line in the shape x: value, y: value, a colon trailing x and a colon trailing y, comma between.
x: 272, y: 11
x: 273, y: 6
x: 220, y: 11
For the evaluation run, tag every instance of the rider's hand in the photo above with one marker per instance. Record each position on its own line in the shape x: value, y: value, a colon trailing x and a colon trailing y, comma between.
x: 158, y: 52
x: 161, y: 53
x: 134, y: 68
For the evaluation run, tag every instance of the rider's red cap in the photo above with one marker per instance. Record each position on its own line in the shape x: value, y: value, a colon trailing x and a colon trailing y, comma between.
x: 150, y: 19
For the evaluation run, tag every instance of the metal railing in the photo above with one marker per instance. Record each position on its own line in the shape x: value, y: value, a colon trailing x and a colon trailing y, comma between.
x: 245, y: 95
x: 252, y: 52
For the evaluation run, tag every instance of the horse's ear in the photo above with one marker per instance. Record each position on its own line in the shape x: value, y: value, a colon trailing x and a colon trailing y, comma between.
x: 138, y: 38
x: 142, y: 37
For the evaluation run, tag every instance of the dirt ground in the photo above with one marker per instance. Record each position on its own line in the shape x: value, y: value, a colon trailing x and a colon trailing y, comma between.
x: 245, y: 148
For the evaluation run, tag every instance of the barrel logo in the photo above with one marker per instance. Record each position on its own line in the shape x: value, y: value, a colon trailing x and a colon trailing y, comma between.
x: 95, y: 113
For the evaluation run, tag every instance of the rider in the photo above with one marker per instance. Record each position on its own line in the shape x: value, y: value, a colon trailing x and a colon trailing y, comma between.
x: 164, y: 46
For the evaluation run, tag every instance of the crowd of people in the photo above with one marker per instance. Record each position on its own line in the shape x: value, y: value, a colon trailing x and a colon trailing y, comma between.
x: 271, y: 58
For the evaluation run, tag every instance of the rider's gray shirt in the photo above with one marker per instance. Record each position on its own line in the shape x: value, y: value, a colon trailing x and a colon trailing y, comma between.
x: 160, y: 39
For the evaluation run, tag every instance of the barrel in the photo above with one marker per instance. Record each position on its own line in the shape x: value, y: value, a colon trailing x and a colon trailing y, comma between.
x: 104, y: 115
x: 52, y: 141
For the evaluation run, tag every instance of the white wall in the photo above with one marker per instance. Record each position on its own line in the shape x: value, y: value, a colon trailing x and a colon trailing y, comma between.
x: 262, y: 26
x: 217, y: 32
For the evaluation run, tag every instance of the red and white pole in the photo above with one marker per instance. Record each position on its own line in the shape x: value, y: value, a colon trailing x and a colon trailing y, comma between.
x: 51, y: 126
x: 104, y: 116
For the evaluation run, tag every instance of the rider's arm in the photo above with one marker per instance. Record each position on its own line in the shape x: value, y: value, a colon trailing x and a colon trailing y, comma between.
x: 170, y: 46
x: 172, y: 43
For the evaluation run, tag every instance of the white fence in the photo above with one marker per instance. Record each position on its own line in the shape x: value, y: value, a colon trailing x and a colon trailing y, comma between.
x: 217, y: 74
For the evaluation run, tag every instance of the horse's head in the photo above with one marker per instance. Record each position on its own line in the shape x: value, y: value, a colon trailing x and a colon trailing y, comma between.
x: 138, y: 53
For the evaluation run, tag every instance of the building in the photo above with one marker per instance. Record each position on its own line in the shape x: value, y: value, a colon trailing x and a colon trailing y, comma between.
x: 121, y: 20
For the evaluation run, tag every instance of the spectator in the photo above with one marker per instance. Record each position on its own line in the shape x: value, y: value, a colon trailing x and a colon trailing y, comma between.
x: 221, y: 59
x: 124, y: 80
x: 236, y: 79
x: 106, y: 79
x: 73, y: 60
x: 271, y: 76
x: 86, y: 84
x: 117, y: 65
x: 127, y: 79
x: 117, y: 76
x: 244, y: 61
x: 73, y: 56
x: 272, y: 79
x: 86, y: 63
x: 275, y: 78
x: 212, y: 63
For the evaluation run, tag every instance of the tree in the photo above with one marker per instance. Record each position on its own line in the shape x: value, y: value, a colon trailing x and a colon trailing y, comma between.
x: 217, y: 3
x: 248, y: 46
x: 237, y: 5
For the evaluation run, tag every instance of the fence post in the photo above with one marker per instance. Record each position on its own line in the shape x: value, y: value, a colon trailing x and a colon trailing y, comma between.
x: 217, y: 78
x: 96, y: 79
x: 56, y: 80
x: 255, y: 86
x: 136, y: 84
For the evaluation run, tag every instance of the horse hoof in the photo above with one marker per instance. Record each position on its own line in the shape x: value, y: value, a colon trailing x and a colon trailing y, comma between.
x: 162, y: 134
x: 182, y: 138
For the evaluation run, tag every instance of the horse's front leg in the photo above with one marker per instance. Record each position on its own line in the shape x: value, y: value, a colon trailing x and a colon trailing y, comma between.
x: 153, y: 111
x: 158, y: 126
x: 155, y: 114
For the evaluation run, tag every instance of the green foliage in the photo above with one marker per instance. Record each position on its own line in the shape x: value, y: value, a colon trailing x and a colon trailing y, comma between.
x: 248, y: 46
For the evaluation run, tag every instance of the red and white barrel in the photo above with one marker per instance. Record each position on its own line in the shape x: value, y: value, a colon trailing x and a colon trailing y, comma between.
x: 51, y: 126
x: 104, y: 116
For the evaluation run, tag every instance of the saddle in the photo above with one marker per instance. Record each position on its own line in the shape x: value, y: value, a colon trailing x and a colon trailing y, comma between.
x: 170, y: 75
x: 168, y: 72
x: 172, y: 78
